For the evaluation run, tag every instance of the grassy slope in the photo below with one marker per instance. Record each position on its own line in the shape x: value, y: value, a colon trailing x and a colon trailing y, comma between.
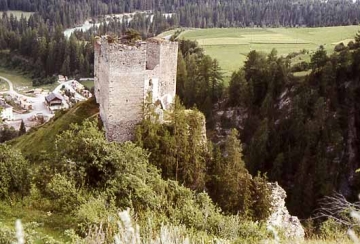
x: 32, y: 144
x: 20, y: 81
x: 43, y: 223
x: 16, y: 78
x: 42, y: 138
x: 231, y: 45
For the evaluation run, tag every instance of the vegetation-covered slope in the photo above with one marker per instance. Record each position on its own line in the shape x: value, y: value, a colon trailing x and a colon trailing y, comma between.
x: 40, y: 140
x: 86, y: 179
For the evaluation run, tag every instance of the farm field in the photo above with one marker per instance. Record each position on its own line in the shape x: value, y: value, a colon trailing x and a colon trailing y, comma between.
x: 231, y: 45
x: 18, y: 14
x: 20, y: 81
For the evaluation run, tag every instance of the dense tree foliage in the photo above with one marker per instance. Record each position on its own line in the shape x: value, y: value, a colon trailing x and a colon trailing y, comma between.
x: 90, y: 186
x: 302, y: 131
x: 14, y: 173
x: 41, y: 51
x: 200, y: 14
x: 199, y: 78
x: 38, y: 46
x: 180, y: 150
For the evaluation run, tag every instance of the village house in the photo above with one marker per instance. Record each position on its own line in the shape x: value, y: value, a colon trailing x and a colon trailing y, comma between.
x: 62, y: 78
x: 25, y: 104
x: 54, y: 101
x: 6, y: 111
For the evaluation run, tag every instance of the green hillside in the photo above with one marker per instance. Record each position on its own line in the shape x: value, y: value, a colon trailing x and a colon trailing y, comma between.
x: 41, y: 139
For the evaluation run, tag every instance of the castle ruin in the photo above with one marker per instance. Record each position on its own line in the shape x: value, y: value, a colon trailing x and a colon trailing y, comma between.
x: 126, y: 76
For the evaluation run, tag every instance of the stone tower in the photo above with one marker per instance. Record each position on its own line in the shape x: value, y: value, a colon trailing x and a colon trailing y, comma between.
x: 126, y: 75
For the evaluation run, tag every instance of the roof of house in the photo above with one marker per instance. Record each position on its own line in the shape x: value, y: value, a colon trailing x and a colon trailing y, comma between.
x: 52, y: 96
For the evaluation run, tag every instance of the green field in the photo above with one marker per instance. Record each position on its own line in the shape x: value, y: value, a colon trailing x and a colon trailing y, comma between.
x: 231, y: 45
x: 22, y: 83
x: 19, y: 81
x: 18, y: 14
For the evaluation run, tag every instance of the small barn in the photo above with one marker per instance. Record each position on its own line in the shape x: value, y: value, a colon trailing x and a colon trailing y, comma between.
x: 54, y: 101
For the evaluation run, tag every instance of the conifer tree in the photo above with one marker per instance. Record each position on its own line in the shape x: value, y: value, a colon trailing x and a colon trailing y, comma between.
x: 22, y: 129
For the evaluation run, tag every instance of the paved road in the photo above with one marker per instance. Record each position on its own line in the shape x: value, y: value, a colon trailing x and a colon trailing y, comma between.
x: 37, y: 102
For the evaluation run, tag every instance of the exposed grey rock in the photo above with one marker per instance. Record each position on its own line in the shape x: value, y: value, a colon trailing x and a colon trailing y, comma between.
x: 280, y: 217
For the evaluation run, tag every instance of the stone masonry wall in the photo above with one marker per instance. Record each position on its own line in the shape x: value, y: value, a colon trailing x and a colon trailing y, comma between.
x: 152, y: 55
x: 123, y: 76
x: 101, y: 80
x: 168, y: 64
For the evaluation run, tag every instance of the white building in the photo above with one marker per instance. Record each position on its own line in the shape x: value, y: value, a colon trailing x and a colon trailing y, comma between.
x: 6, y: 111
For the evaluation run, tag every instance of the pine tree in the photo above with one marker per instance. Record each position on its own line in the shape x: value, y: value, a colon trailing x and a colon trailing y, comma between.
x: 65, y: 69
x: 234, y: 192
x: 22, y: 129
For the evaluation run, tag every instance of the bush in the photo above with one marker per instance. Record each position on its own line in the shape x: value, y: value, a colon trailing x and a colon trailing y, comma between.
x: 302, y: 66
x: 14, y: 173
x: 63, y: 193
x: 331, y: 230
x: 339, y: 47
x: 94, y: 211
x: 7, y: 236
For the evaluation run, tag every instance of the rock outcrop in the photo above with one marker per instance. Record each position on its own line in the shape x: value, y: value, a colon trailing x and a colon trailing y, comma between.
x: 280, y: 217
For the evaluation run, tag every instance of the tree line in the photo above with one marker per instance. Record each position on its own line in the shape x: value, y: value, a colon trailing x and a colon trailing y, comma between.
x: 40, y: 41
x: 42, y: 51
x: 200, y: 14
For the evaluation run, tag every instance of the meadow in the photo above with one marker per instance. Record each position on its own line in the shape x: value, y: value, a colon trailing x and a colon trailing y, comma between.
x: 18, y: 14
x: 18, y: 80
x: 21, y: 82
x: 231, y: 45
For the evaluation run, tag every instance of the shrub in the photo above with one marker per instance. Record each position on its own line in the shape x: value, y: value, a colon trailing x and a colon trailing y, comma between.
x: 332, y: 230
x: 339, y: 47
x: 63, y: 193
x: 14, y: 173
x: 94, y: 211
x: 302, y: 66
x: 7, y: 235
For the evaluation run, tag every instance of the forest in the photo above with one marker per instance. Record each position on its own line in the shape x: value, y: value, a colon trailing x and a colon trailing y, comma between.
x: 301, y: 131
x: 201, y: 13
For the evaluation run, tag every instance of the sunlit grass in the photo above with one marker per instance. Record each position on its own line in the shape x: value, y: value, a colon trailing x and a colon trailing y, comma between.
x: 231, y: 45
x: 18, y: 14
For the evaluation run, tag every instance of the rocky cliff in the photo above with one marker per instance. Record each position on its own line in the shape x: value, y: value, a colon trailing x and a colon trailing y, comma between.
x: 280, y: 217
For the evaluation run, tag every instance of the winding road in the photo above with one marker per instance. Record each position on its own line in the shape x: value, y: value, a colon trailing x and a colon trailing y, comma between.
x: 37, y: 103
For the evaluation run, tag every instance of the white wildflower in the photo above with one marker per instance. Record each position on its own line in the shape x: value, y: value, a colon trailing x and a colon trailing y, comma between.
x: 19, y: 232
x: 353, y: 236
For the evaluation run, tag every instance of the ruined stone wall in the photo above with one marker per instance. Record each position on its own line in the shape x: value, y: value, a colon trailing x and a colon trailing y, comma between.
x: 124, y: 75
x: 152, y: 55
x: 126, y: 92
x: 165, y: 72
x: 168, y: 64
x: 101, y: 81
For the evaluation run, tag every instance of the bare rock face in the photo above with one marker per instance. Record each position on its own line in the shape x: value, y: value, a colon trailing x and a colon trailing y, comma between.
x: 280, y: 217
